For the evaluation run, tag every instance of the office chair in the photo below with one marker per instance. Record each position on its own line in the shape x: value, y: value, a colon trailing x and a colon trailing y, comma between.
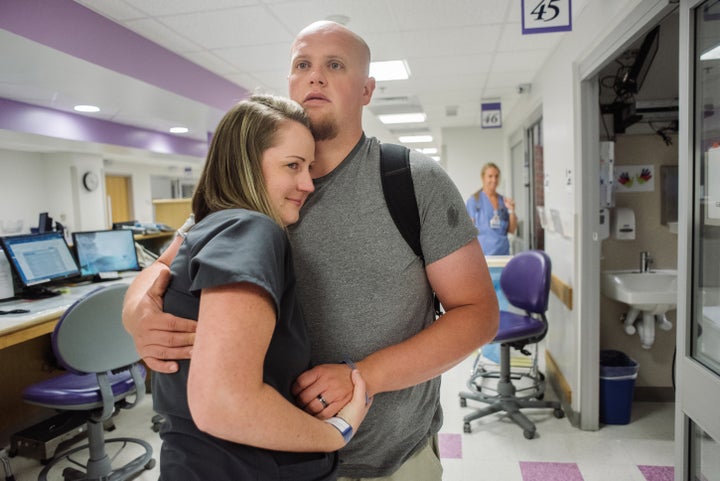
x: 104, y: 370
x: 525, y: 282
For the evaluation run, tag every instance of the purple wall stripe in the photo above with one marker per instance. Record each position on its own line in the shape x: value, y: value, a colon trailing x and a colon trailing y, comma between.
x: 71, y: 28
x: 21, y: 117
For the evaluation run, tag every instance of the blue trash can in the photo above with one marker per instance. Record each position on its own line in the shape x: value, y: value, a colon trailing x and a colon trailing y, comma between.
x: 618, y: 372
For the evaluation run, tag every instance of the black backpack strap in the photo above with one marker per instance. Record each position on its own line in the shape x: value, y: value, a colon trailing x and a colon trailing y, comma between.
x: 399, y: 193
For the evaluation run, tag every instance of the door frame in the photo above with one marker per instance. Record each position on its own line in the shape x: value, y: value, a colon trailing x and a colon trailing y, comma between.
x: 587, y: 268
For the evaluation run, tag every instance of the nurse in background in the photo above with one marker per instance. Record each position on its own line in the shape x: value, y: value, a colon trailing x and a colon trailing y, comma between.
x: 493, y: 215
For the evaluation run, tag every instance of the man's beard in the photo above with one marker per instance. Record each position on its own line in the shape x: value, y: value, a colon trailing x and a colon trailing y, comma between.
x: 323, y: 129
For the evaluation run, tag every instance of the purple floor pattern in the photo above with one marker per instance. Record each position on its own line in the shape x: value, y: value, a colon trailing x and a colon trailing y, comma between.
x: 451, y: 448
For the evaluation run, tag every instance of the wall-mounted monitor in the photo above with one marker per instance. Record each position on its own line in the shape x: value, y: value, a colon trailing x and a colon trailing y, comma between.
x: 105, y: 251
x: 39, y: 259
x: 634, y: 77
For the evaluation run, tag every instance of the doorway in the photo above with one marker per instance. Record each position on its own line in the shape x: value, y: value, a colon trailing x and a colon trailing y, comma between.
x: 629, y: 33
x: 118, y: 192
x: 536, y: 185
x: 520, y: 189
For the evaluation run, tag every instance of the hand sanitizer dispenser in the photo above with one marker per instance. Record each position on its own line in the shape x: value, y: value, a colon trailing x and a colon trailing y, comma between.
x: 624, y: 225
x: 603, y: 224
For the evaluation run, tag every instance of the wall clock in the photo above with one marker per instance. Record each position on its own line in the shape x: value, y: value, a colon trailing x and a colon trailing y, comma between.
x: 90, y: 180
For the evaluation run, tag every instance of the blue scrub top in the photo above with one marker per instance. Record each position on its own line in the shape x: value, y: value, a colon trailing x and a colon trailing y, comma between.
x: 493, y: 238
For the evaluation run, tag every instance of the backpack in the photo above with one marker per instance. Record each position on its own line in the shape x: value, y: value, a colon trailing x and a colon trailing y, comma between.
x: 399, y: 192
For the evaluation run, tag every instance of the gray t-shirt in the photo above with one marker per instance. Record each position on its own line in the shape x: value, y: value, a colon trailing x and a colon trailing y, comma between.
x: 362, y: 289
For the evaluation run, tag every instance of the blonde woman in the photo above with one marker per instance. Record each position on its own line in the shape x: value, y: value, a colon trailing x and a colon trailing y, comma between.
x: 493, y: 215
x: 230, y: 413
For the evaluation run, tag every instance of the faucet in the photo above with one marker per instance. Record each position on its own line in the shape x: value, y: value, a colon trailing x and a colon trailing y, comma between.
x: 646, y: 261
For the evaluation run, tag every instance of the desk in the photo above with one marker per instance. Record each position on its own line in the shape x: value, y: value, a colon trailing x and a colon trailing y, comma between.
x: 156, y: 241
x: 26, y: 354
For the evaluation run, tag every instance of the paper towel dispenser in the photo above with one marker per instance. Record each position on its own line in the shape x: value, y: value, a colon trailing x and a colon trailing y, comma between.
x: 624, y: 224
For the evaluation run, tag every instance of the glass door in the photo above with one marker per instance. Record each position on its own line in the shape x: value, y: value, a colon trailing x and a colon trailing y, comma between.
x: 698, y: 368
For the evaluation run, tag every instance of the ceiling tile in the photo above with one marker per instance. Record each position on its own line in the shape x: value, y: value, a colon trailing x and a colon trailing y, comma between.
x: 158, y: 8
x: 229, y: 28
x: 432, y: 14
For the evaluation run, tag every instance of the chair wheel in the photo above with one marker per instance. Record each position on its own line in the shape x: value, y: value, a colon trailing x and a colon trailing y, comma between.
x: 150, y: 464
x: 157, y: 421
x: 559, y: 413
x: 463, y: 402
x: 72, y: 474
x: 466, y: 428
x: 540, y: 397
x: 529, y: 433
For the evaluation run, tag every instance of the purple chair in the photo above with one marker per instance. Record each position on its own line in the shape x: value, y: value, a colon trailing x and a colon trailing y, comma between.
x: 103, y: 371
x: 525, y: 282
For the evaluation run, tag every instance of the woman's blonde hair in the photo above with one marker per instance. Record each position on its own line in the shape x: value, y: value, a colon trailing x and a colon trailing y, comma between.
x: 232, y: 176
x: 489, y: 165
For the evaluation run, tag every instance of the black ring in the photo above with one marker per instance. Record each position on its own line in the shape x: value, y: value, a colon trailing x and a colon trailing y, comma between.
x: 322, y: 401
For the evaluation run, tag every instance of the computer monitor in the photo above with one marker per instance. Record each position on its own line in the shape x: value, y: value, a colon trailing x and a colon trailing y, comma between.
x: 105, y: 251
x: 39, y: 259
x: 44, y: 223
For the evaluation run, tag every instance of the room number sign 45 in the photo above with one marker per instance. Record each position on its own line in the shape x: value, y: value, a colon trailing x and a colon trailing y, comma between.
x: 543, y: 16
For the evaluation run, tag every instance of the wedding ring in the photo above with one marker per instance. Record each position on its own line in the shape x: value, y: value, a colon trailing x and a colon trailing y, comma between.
x: 322, y: 401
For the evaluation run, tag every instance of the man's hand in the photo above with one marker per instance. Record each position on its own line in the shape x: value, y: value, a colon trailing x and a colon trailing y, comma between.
x: 158, y: 336
x: 324, y: 390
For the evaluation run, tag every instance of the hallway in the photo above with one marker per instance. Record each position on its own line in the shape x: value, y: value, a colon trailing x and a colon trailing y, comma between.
x: 496, y: 449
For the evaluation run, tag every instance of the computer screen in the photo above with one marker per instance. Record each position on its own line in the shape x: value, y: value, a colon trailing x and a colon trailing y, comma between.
x: 40, y: 258
x: 105, y: 251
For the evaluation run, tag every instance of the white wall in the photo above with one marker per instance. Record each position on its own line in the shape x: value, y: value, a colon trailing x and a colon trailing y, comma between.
x: 466, y: 150
x: 33, y: 182
x: 556, y: 90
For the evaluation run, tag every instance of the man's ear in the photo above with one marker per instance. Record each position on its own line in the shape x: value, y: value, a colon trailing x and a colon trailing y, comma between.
x: 368, y: 90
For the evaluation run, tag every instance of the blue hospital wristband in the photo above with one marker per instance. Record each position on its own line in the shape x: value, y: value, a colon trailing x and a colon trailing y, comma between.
x: 343, y: 426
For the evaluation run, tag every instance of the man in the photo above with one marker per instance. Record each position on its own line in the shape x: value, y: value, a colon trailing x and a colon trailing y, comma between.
x: 366, y: 297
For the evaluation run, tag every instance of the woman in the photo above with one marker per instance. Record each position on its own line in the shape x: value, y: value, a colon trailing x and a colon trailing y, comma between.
x: 229, y: 414
x: 493, y: 214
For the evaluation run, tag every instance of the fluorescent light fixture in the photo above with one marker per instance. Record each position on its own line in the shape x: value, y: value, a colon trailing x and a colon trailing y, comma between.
x: 86, y: 108
x: 712, y: 54
x: 409, y: 118
x: 389, y: 70
x: 428, y: 150
x: 179, y: 130
x: 409, y: 139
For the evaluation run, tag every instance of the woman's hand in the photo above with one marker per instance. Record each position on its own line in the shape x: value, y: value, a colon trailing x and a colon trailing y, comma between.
x: 355, y: 411
x: 509, y: 203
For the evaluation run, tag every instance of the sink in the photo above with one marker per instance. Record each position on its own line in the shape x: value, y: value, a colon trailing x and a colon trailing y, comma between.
x: 646, y: 291
x: 649, y: 296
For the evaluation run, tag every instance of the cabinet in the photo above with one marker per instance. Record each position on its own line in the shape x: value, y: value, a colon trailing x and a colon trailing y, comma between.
x: 172, y: 212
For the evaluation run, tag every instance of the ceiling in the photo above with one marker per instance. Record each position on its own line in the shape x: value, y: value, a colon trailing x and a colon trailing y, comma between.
x: 460, y: 53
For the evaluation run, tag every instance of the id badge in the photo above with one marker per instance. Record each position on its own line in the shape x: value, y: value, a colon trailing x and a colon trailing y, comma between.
x: 495, y: 221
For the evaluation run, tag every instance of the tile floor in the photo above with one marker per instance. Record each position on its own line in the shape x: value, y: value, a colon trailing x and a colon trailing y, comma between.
x: 496, y: 450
